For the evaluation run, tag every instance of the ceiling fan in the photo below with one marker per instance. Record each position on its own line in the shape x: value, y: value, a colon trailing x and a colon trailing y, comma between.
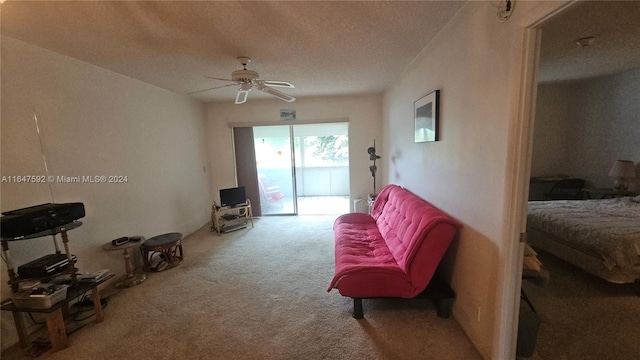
x: 248, y: 79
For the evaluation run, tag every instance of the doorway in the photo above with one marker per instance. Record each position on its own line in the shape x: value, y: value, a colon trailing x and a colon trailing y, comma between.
x: 564, y: 142
x: 302, y: 169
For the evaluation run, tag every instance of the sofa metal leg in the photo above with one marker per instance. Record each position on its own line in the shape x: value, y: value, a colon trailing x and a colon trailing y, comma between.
x: 443, y: 307
x: 357, y: 308
x: 442, y: 296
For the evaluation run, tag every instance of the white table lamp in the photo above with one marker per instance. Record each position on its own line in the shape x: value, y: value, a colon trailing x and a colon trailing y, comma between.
x: 622, y: 171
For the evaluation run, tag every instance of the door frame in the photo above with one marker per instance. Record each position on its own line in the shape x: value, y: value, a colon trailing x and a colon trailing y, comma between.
x: 518, y: 172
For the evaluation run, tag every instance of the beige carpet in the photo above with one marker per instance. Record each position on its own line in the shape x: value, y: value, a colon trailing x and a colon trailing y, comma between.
x: 260, y: 294
x: 584, y: 317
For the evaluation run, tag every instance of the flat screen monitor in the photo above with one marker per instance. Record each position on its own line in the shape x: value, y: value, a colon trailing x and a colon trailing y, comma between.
x: 233, y: 196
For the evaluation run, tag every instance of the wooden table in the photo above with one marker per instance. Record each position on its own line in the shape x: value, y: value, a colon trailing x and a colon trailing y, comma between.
x: 55, y: 314
x: 130, y: 279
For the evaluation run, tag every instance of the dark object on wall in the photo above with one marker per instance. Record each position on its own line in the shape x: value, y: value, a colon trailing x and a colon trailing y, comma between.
x: 567, y: 189
x: 35, y: 219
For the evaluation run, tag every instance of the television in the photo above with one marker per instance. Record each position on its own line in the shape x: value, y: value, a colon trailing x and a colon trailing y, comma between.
x: 233, y: 196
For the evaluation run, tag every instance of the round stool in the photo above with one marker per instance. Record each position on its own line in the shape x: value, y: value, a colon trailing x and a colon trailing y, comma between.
x: 168, y: 248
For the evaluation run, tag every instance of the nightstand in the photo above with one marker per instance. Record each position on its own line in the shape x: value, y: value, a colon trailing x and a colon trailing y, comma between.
x: 603, y: 193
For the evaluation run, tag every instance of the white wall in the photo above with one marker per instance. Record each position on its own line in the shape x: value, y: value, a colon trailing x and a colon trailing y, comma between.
x: 96, y: 122
x: 598, y: 122
x: 475, y: 63
x: 363, y: 113
x: 550, y: 130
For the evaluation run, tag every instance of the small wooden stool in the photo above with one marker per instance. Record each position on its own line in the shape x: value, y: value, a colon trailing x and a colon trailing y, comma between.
x: 169, y: 248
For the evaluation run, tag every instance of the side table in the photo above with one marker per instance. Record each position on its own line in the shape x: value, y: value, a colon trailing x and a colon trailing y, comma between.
x: 130, y: 279
x: 603, y: 193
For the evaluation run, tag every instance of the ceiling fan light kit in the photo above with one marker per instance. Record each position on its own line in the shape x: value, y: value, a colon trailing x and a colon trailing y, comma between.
x: 241, y: 96
x: 244, y: 75
x: 247, y: 79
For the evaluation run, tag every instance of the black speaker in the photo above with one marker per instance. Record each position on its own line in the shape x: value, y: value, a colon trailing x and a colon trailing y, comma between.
x: 35, y: 219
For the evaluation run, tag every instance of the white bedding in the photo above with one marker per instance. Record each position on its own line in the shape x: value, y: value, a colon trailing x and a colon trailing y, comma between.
x: 607, y: 229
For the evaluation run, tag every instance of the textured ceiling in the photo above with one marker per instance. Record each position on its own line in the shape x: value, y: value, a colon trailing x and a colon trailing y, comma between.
x: 615, y: 25
x: 323, y: 48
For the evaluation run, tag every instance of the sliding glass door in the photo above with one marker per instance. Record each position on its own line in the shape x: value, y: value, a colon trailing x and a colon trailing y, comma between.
x: 300, y: 169
x: 275, y: 170
x: 322, y: 168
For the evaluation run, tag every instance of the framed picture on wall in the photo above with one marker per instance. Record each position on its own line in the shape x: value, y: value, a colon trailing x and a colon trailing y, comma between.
x: 287, y: 114
x: 426, y: 117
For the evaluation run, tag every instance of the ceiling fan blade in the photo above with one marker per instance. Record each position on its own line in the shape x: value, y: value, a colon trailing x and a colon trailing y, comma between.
x: 276, y: 83
x: 241, y: 96
x: 215, y: 78
x: 276, y: 93
x: 213, y: 88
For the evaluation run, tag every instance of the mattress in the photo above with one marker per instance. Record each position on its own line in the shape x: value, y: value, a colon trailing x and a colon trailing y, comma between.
x: 606, y: 232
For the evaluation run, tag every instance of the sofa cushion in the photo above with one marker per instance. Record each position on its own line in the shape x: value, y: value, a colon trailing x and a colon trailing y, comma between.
x: 405, y: 222
x: 360, y: 244
x: 363, y: 260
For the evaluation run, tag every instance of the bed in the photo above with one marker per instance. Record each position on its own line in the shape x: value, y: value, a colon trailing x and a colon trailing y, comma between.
x: 601, y: 237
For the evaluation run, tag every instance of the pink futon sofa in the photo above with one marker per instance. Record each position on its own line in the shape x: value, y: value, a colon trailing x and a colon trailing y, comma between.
x: 394, y: 251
